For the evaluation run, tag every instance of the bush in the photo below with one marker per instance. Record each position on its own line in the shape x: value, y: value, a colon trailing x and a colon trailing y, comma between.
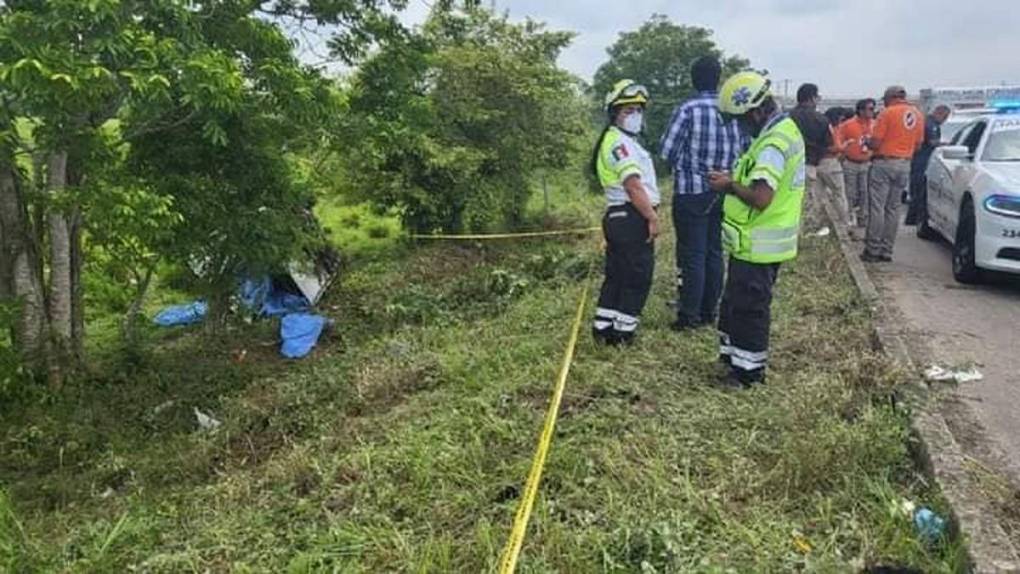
x: 452, y: 121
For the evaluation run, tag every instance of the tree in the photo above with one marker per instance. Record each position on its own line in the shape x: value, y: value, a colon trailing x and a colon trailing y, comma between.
x: 451, y: 123
x: 163, y: 71
x: 659, y: 55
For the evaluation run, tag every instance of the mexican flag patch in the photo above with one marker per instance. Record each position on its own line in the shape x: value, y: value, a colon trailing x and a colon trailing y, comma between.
x: 620, y: 152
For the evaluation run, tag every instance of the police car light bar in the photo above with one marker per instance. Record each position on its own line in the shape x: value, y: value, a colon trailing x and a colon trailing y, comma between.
x: 1006, y: 107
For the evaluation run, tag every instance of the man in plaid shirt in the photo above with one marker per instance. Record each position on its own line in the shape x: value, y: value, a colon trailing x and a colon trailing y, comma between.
x: 698, y: 141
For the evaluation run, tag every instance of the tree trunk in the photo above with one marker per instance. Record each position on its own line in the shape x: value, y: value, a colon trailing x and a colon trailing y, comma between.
x: 61, y: 294
x: 131, y: 334
x: 6, y: 270
x: 21, y: 257
x: 75, y: 178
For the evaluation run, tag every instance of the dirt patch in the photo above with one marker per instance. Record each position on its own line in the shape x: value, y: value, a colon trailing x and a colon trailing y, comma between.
x: 379, y: 387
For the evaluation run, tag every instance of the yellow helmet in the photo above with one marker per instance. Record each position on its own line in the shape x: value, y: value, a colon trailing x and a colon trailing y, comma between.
x: 626, y: 92
x: 743, y: 92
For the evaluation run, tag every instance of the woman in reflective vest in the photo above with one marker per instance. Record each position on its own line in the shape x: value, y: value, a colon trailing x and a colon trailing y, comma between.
x: 627, y: 175
x: 761, y: 222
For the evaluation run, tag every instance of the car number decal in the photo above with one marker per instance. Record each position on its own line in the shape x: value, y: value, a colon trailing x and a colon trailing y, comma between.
x: 1011, y: 233
x: 1006, y: 125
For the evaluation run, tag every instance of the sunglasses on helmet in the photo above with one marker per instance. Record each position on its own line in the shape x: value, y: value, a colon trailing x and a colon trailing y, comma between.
x: 634, y: 90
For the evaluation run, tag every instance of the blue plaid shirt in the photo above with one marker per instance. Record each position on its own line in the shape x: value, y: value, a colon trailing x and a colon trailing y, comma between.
x: 697, y: 141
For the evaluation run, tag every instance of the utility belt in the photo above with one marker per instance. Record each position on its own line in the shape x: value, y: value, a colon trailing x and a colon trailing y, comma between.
x: 624, y: 224
x: 627, y: 207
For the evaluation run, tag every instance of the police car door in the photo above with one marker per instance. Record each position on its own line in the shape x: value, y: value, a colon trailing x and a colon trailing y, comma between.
x: 964, y: 172
x: 940, y: 187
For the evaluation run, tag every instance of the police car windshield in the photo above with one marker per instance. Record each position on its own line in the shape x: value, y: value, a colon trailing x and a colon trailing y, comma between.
x: 1003, y: 143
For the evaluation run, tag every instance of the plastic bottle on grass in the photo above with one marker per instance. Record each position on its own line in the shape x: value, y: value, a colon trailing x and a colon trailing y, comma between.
x: 929, y: 525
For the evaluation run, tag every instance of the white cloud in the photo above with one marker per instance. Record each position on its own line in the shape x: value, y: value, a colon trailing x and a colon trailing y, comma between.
x: 847, y: 48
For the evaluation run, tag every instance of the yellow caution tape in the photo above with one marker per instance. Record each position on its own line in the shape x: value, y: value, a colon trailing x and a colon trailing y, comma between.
x: 508, y: 562
x: 483, y: 236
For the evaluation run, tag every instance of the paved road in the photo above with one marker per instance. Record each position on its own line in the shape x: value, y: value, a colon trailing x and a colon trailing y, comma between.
x: 955, y: 324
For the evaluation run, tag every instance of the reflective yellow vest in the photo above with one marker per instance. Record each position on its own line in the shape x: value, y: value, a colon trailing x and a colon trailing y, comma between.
x: 768, y: 236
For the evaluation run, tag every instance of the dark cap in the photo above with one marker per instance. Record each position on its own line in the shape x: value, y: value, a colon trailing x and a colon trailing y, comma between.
x: 894, y: 92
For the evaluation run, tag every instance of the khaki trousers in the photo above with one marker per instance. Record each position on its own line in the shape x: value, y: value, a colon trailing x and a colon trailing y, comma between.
x: 830, y: 179
x: 889, y: 180
x: 855, y: 176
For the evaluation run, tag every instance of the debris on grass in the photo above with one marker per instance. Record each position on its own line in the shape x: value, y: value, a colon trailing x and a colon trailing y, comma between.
x: 206, y: 422
x: 960, y: 376
x: 930, y: 526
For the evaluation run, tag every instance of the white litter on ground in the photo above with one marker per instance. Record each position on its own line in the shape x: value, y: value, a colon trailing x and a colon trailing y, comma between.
x: 939, y: 374
x: 162, y: 407
x: 206, y: 422
x: 823, y: 232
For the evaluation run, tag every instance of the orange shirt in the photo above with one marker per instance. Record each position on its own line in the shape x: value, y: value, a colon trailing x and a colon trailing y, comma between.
x: 900, y: 131
x: 856, y: 130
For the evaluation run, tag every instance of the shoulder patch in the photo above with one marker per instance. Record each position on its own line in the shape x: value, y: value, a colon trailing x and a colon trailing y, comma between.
x: 620, y: 152
x: 910, y: 119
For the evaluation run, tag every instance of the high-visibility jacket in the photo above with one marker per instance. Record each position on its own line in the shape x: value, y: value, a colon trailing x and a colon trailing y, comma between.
x: 620, y: 157
x: 770, y: 235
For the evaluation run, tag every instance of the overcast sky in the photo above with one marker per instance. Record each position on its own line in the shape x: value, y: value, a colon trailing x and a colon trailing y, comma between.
x: 847, y: 47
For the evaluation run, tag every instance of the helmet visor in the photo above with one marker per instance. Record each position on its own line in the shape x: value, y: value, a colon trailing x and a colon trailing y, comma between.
x: 760, y: 96
x: 634, y: 90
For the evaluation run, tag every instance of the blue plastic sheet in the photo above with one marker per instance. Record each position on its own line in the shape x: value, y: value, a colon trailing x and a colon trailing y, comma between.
x: 253, y: 292
x: 282, y: 303
x: 299, y: 330
x: 259, y: 294
x: 186, y: 314
x: 300, y: 333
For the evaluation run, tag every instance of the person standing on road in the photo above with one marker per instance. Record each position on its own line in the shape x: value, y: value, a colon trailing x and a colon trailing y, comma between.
x: 918, y: 166
x: 830, y: 169
x: 697, y: 141
x: 855, y: 133
x: 897, y: 134
x: 627, y: 175
x: 764, y: 197
x: 815, y: 128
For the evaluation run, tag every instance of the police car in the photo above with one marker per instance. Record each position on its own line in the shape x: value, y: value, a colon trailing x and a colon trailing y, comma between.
x: 974, y: 195
x: 958, y: 119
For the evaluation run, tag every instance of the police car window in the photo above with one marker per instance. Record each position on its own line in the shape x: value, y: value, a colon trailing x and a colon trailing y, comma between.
x: 974, y: 137
x: 960, y: 135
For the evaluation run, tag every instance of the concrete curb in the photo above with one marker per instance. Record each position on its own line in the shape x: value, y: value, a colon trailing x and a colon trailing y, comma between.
x: 989, y: 550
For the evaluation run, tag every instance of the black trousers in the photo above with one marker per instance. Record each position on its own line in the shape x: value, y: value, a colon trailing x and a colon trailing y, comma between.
x: 745, y: 319
x: 630, y: 263
x: 918, y: 198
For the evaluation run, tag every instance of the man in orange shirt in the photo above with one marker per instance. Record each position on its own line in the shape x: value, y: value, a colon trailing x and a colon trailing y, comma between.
x: 854, y: 133
x: 898, y: 133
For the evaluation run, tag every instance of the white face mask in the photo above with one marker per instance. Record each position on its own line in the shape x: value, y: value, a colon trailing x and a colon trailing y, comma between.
x: 632, y: 122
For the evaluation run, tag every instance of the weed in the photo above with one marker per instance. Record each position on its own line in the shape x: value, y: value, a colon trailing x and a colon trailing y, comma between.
x: 403, y: 447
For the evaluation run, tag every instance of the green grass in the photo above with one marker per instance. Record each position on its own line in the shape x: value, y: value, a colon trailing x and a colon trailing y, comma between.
x: 357, y: 231
x: 403, y: 443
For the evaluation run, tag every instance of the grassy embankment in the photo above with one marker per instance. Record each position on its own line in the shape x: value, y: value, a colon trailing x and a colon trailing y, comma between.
x: 402, y: 444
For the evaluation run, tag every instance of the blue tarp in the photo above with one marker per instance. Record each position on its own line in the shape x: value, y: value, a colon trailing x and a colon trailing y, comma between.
x: 186, y: 314
x: 300, y: 333
x: 259, y: 295
x: 299, y: 330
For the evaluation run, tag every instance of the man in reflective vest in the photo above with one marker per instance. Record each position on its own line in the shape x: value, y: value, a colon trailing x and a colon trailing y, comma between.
x: 761, y: 222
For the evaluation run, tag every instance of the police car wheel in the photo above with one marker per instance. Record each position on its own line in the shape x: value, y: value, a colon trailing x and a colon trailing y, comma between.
x: 965, y: 268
